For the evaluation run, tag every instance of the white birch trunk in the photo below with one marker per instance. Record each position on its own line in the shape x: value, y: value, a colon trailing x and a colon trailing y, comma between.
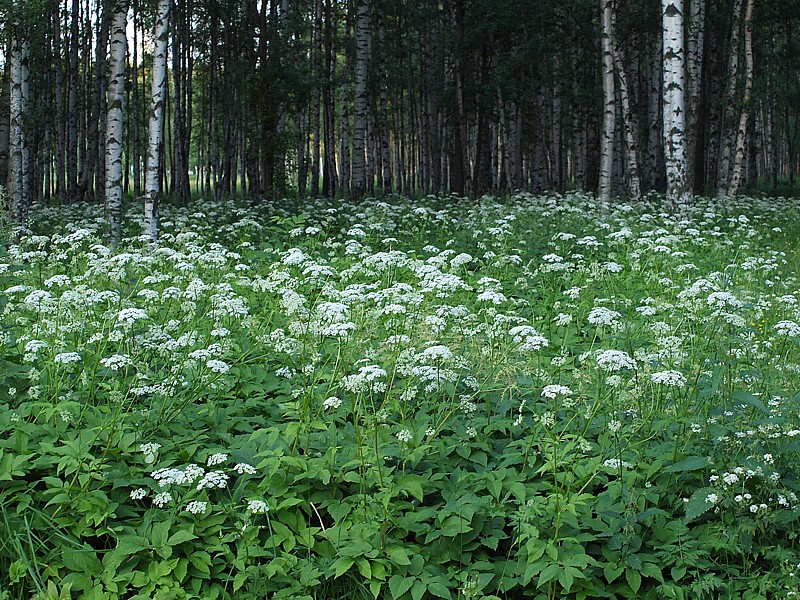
x: 609, y: 109
x: 741, y: 135
x: 727, y: 132
x: 359, y: 184
x: 114, y: 120
x: 629, y: 125
x: 17, y: 147
x: 156, y: 125
x: 674, y: 74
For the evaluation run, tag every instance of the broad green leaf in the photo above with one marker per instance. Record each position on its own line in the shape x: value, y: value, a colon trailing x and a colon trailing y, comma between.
x: 634, y: 579
x: 749, y: 399
x: 180, y: 536
x: 698, y: 503
x: 342, y: 565
x: 399, y: 585
x: 690, y: 463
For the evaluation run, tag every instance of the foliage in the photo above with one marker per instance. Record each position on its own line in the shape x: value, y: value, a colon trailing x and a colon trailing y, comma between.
x: 534, y: 396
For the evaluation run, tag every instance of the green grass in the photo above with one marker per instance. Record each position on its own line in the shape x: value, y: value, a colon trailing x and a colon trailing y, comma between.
x: 521, y: 397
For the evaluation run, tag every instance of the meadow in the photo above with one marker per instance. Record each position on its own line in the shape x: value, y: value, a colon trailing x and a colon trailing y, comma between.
x: 527, y: 397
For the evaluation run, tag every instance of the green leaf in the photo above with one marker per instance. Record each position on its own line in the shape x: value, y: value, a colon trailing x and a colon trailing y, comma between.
x: 690, y: 463
x: 612, y: 572
x: 342, y: 565
x: 634, y: 579
x: 750, y: 399
x: 652, y: 570
x: 439, y: 589
x: 399, y: 585
x: 697, y: 504
x: 398, y: 555
x: 417, y: 590
x: 550, y: 572
x: 83, y: 560
x: 180, y: 536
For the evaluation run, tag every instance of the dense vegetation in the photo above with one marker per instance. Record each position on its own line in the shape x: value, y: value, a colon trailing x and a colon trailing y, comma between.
x: 535, y: 396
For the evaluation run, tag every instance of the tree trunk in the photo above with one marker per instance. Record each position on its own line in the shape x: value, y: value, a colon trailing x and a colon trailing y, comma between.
x: 359, y: 184
x: 674, y: 105
x: 741, y: 135
x: 726, y: 131
x: 156, y: 124
x: 114, y: 121
x: 695, y: 44
x: 631, y: 143
x: 609, y: 108
x: 18, y: 193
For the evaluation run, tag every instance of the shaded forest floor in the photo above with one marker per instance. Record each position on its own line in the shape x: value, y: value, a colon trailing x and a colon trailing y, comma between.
x: 532, y: 396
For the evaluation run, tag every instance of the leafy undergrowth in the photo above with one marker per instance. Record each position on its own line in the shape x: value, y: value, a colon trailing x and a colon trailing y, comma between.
x: 529, y: 397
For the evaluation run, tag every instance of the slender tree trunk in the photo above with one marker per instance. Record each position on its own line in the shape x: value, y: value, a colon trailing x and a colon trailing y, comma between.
x: 631, y: 142
x: 72, y: 106
x: 741, y: 135
x: 609, y: 105
x: 18, y: 194
x: 674, y: 105
x: 156, y: 124
x: 727, y: 132
x: 695, y: 45
x: 359, y: 184
x: 114, y: 127
x: 5, y: 100
x: 136, y: 157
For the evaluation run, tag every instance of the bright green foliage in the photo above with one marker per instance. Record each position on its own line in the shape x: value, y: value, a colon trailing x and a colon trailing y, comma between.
x: 528, y: 397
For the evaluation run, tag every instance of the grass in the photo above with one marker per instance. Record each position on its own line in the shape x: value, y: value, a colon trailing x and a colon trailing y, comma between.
x: 532, y: 396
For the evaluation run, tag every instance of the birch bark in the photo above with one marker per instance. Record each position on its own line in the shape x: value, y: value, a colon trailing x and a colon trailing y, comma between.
x: 741, y: 135
x: 114, y: 120
x: 156, y: 124
x: 609, y: 110
x: 674, y: 106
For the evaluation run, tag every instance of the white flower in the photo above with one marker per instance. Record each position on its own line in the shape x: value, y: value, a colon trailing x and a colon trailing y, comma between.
x: 614, y: 426
x: 562, y: 319
x: 332, y: 403
x: 244, y: 468
x: 527, y: 338
x: 257, y: 507
x: 216, y: 459
x: 128, y: 315
x: 754, y: 508
x: 615, y: 360
x: 162, y: 499
x: 551, y: 391
x: 669, y: 378
x: 196, y: 507
x: 787, y: 328
x: 214, y: 479
x: 67, y: 358
x: 149, y: 448
x: 138, y: 494
x: 600, y: 315
x: 768, y: 458
x: 217, y: 366
x: 115, y: 362
x: 404, y: 435
x: 615, y: 463
x: 712, y: 498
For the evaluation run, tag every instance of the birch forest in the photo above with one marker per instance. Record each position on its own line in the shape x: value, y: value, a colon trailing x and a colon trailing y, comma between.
x: 370, y: 97
x: 399, y: 300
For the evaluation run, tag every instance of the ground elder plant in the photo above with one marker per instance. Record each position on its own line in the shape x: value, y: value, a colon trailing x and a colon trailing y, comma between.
x: 535, y: 396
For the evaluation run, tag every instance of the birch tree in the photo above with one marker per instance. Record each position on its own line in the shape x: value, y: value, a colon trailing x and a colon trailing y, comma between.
x: 631, y: 144
x: 18, y: 163
x: 674, y: 106
x: 359, y: 184
x: 695, y: 44
x: 156, y: 125
x: 741, y: 134
x: 609, y: 108
x: 114, y: 119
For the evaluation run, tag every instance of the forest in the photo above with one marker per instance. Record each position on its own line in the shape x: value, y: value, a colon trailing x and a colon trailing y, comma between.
x: 399, y: 300
x: 368, y: 97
